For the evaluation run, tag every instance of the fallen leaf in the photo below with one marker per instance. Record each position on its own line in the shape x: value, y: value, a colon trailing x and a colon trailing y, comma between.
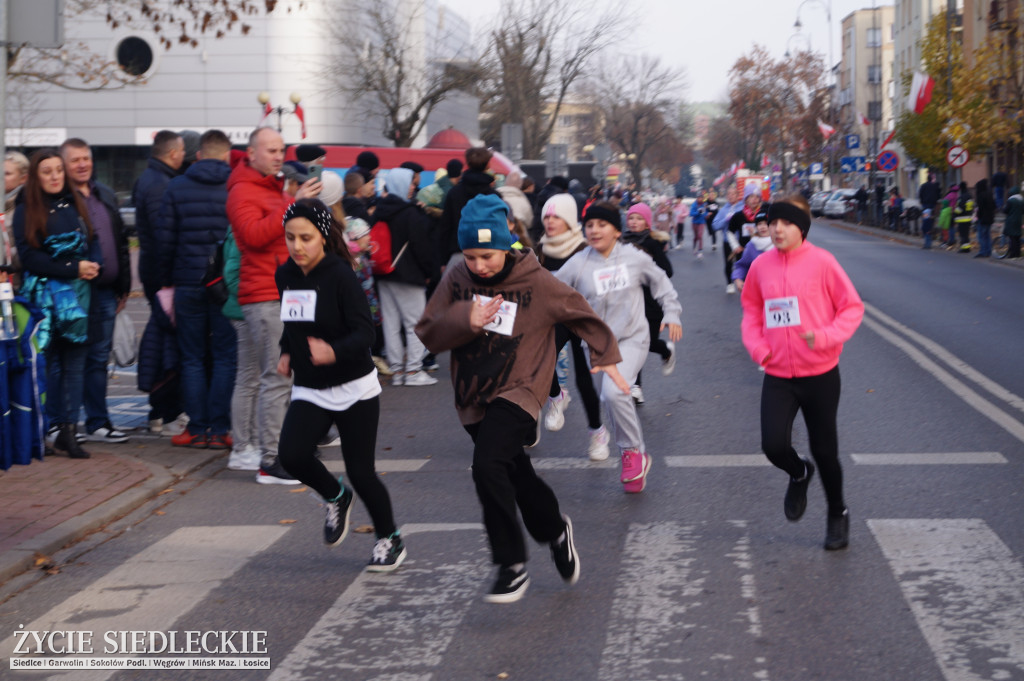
x: 287, y: 521
x: 53, y: 570
x: 166, y: 491
x: 503, y: 675
x: 159, y: 512
x: 364, y: 529
x: 299, y: 490
x: 40, y: 559
x: 871, y: 390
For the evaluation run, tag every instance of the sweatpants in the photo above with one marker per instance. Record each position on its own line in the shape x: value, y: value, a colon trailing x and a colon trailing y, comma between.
x: 621, y: 409
x: 401, y: 306
x: 818, y: 398
x: 305, y: 424
x: 505, y: 480
x: 274, y: 391
x: 244, y: 399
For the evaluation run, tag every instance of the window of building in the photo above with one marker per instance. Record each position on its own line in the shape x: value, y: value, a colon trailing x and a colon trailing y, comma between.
x: 134, y: 56
x: 875, y: 111
x: 874, y: 74
x: 874, y: 37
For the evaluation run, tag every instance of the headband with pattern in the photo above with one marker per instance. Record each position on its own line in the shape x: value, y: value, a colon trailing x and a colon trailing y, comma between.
x: 314, y: 211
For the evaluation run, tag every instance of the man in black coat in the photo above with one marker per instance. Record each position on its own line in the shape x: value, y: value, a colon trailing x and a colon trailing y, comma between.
x: 473, y: 182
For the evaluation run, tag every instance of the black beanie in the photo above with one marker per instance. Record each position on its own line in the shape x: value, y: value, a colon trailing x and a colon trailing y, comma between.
x: 368, y: 160
x: 790, y: 213
x: 598, y: 212
x: 454, y: 168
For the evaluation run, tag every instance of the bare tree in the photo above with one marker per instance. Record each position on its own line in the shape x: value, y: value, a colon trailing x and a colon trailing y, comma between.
x: 641, y: 99
x: 535, y: 54
x: 75, y: 66
x: 391, y: 63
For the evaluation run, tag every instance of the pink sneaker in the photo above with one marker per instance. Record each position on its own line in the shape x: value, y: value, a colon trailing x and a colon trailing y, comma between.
x: 635, y: 466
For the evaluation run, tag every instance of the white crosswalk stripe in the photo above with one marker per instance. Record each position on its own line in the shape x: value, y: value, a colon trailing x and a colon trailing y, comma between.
x: 966, y: 590
x: 193, y: 561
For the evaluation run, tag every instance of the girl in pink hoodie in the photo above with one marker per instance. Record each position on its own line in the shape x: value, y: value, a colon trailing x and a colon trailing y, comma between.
x: 799, y: 307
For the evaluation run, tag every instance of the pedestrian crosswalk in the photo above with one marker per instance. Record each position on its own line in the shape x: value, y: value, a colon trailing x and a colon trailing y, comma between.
x: 677, y: 596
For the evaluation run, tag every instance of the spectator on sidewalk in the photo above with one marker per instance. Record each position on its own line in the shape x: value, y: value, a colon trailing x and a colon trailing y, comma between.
x: 110, y: 288
x: 986, y: 213
x: 54, y: 235
x: 157, y: 371
x: 358, y: 191
x: 255, y: 207
x: 403, y: 292
x: 929, y: 193
x: 15, y: 174
x: 861, y: 197
x: 193, y: 223
x: 1012, y: 226
x: 473, y: 182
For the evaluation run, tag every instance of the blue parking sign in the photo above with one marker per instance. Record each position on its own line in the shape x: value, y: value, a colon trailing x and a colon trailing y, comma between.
x: 853, y: 141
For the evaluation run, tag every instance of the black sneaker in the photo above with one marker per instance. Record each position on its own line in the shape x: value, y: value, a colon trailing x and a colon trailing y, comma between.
x: 509, y: 587
x: 796, y: 493
x: 564, y: 554
x: 336, y: 522
x: 838, y: 533
x: 107, y: 433
x: 388, y: 554
x: 429, y: 363
x: 273, y: 473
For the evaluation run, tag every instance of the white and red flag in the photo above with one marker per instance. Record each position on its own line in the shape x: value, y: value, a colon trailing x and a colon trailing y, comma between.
x: 302, y: 118
x: 826, y: 129
x: 864, y: 120
x: 267, y: 110
x: 920, y: 91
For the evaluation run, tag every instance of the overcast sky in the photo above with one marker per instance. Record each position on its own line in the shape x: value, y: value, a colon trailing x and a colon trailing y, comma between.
x: 706, y: 36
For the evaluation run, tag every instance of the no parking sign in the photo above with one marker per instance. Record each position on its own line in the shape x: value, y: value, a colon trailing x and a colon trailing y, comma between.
x: 888, y: 161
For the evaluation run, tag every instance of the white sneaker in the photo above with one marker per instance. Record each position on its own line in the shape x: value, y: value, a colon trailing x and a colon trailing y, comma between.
x: 731, y: 288
x: 246, y: 459
x: 637, y: 393
x: 106, y: 433
x: 382, y: 366
x: 700, y: 255
x: 669, y: 365
x: 420, y: 378
x: 398, y: 378
x: 156, y: 426
x: 555, y: 418
x: 598, y: 449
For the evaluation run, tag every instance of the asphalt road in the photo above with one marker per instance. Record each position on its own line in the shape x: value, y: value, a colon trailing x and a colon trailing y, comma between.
x: 699, y: 577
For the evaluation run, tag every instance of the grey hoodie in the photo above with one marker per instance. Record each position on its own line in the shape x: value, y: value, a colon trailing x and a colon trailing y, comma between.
x: 612, y: 286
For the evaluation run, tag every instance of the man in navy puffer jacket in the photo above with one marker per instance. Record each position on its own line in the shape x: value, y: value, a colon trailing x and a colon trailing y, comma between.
x: 193, y: 222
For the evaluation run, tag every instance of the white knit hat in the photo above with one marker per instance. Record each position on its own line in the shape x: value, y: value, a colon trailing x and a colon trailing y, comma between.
x: 333, y: 188
x: 563, y: 206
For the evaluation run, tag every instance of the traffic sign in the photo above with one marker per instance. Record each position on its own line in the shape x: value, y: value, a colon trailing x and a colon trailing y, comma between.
x: 888, y: 161
x: 853, y: 141
x: 957, y: 156
x: 817, y: 171
x: 853, y: 164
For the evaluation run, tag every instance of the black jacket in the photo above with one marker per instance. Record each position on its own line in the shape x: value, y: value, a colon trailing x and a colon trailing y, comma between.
x: 192, y: 221
x: 342, y: 319
x: 471, y: 183
x: 147, y: 195
x: 123, y: 285
x: 408, y: 225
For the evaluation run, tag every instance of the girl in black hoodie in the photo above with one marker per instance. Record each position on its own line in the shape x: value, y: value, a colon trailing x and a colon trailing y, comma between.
x: 326, y: 343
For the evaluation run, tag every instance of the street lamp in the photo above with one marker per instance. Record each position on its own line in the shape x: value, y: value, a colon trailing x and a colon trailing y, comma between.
x: 264, y: 99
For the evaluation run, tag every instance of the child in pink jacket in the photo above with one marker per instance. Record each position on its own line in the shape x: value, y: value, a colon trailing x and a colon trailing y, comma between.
x: 799, y: 307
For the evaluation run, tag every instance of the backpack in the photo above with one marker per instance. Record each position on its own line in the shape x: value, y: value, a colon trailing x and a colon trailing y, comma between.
x: 381, y: 261
x: 213, y: 278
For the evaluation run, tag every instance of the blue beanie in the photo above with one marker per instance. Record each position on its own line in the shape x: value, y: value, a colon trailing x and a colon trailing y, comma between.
x: 398, y: 181
x: 484, y: 224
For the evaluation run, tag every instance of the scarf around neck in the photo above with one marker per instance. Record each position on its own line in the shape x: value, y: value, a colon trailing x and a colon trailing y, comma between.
x: 562, y: 245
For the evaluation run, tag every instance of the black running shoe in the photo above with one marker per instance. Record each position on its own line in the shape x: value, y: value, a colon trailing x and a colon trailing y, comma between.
x: 336, y: 522
x: 564, y: 554
x: 388, y: 554
x: 796, y: 493
x: 509, y: 587
x: 838, y: 533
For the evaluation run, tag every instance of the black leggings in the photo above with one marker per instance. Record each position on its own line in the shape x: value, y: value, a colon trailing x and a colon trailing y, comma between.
x: 505, y: 480
x: 304, y: 426
x: 584, y: 379
x: 818, y: 398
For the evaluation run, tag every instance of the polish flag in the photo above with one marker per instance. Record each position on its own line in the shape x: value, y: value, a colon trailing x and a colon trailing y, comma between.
x: 267, y: 110
x: 302, y: 119
x: 864, y: 120
x: 765, y: 161
x: 920, y: 91
x: 826, y: 129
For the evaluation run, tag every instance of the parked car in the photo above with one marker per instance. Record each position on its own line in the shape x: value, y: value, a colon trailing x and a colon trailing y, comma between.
x: 817, y: 202
x: 839, y: 203
x: 127, y: 211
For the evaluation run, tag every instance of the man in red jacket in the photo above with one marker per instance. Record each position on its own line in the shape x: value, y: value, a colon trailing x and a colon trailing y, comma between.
x: 256, y: 206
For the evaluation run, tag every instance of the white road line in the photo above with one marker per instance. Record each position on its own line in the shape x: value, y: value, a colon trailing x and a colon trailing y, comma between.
x: 951, y: 360
x: 416, y: 611
x: 966, y: 590
x: 717, y: 461
x: 984, y: 407
x: 192, y: 562
x: 926, y: 459
x: 383, y: 465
